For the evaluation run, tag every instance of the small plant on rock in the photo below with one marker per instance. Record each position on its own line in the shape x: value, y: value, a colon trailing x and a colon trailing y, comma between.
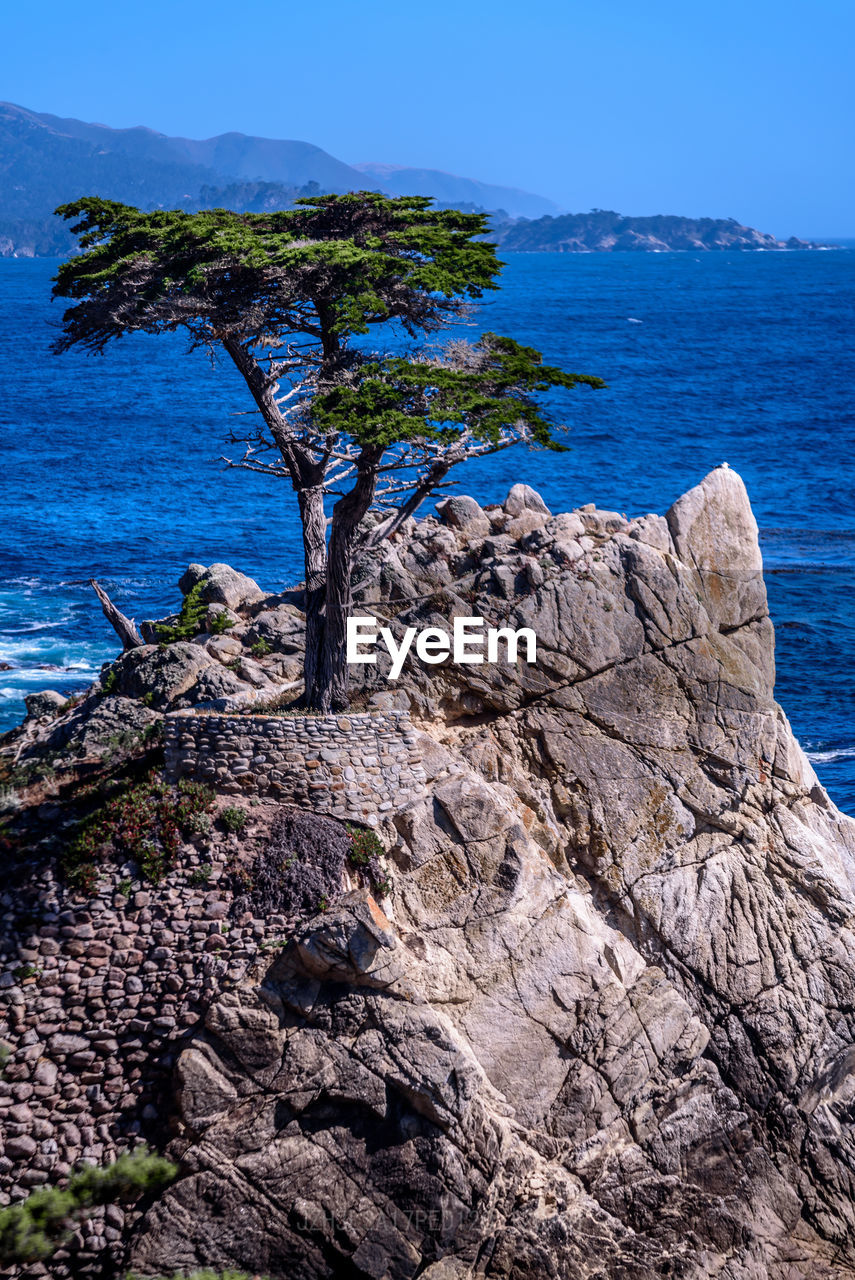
x: 219, y: 623
x: 191, y: 619
x: 199, y: 824
x: 366, y: 845
x: 144, y: 822
x: 200, y: 876
x: 261, y: 648
x: 234, y: 819
x: 35, y: 1228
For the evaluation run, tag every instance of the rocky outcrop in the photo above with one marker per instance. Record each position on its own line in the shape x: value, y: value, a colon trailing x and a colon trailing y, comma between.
x: 603, y: 1025
x: 596, y: 1019
x: 604, y: 231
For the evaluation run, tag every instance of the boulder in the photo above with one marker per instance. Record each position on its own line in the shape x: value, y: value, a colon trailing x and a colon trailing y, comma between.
x: 221, y: 584
x: 161, y: 673
x: 463, y: 514
x: 192, y: 574
x: 44, y: 705
x: 212, y: 683
x: 523, y: 498
x: 98, y: 726
x: 282, y: 628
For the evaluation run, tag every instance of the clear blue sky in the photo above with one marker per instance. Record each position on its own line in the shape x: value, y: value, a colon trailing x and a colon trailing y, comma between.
x: 738, y: 108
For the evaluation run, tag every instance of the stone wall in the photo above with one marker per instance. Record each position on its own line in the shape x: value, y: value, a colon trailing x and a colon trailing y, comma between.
x: 97, y: 998
x: 359, y: 766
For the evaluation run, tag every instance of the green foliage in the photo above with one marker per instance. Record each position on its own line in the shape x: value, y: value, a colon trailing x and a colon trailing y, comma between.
x: 143, y: 822
x: 5, y: 1055
x: 124, y: 887
x: 191, y: 619
x: 234, y: 819
x: 33, y: 1229
x: 261, y: 648
x: 200, y: 876
x: 110, y: 680
x: 486, y: 388
x: 219, y: 623
x: 361, y: 258
x: 26, y: 971
x: 199, y: 824
x: 366, y: 845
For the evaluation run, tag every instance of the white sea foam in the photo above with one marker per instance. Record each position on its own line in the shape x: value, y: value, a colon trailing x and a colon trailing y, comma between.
x: 824, y: 757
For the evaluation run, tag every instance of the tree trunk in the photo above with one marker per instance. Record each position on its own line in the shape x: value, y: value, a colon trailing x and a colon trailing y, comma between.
x: 315, y: 558
x: 124, y: 627
x: 331, y: 681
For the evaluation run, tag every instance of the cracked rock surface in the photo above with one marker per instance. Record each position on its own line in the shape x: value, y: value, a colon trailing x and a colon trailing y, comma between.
x: 603, y: 1026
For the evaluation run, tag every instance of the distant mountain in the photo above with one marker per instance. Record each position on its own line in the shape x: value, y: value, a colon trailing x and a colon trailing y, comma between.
x: 447, y: 188
x: 46, y: 160
x: 603, y: 231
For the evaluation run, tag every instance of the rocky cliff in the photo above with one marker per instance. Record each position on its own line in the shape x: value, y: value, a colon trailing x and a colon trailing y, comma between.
x: 597, y: 1020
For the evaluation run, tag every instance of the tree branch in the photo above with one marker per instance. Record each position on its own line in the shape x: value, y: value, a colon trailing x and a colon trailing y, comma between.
x: 125, y: 628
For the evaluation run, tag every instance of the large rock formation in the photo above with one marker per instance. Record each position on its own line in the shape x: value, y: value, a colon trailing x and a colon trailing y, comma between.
x: 604, y: 1024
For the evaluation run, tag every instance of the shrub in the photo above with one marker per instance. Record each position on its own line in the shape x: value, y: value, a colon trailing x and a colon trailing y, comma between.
x: 36, y: 1227
x: 261, y: 648
x: 191, y: 619
x: 366, y: 848
x: 366, y: 845
x: 200, y: 876
x: 199, y: 824
x: 219, y: 623
x: 144, y: 822
x: 108, y: 682
x: 234, y: 819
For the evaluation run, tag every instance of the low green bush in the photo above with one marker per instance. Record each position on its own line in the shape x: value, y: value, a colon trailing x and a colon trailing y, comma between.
x: 234, y: 819
x: 144, y: 822
x: 219, y: 623
x: 191, y: 619
x: 35, y: 1228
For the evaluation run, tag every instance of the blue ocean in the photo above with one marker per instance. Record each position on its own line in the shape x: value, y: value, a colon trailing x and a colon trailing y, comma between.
x: 111, y: 464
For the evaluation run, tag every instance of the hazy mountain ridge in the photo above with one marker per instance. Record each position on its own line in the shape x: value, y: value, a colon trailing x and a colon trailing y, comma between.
x: 449, y: 188
x: 46, y: 160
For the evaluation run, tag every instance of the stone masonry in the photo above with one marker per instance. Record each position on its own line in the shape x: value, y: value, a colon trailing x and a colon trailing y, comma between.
x: 359, y: 767
x: 97, y: 997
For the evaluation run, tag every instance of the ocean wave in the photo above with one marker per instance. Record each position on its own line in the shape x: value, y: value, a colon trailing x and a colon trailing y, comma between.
x: 32, y: 628
x: 825, y: 757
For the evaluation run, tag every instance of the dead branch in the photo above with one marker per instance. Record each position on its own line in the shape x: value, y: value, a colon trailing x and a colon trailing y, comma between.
x: 125, y: 628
